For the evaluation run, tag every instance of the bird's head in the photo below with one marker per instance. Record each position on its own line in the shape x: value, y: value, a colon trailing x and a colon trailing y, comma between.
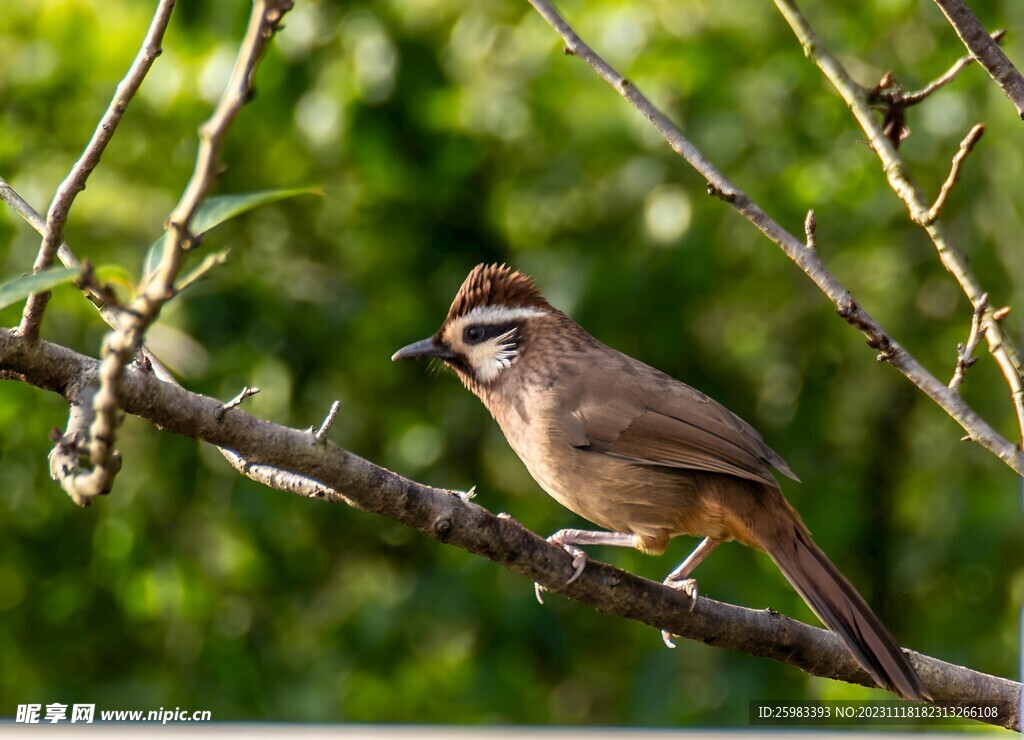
x: 488, y: 327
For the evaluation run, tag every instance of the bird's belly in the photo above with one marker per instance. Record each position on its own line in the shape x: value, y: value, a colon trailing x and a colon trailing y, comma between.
x: 650, y: 501
x: 653, y: 503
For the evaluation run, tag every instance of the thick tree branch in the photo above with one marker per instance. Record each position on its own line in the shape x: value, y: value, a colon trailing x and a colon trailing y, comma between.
x: 857, y: 99
x: 985, y: 49
x: 156, y: 288
x: 807, y: 259
x: 449, y: 517
x: 74, y: 183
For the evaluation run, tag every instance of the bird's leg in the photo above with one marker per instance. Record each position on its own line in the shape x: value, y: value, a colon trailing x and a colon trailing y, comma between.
x: 568, y: 539
x: 679, y: 580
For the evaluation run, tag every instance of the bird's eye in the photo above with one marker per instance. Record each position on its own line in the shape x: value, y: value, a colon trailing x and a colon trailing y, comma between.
x: 473, y: 334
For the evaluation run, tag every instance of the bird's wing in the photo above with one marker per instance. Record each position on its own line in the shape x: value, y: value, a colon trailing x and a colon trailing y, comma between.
x: 674, y: 426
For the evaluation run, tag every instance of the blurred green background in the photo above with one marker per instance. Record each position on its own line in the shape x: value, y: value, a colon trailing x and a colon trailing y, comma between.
x: 445, y: 133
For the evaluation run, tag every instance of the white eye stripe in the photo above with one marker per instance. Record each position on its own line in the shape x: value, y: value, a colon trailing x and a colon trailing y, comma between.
x: 501, y: 314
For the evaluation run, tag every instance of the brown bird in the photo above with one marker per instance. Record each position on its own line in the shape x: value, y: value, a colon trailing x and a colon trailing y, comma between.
x: 640, y: 454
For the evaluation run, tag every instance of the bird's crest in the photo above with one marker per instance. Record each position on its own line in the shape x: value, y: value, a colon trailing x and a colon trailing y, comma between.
x: 495, y: 285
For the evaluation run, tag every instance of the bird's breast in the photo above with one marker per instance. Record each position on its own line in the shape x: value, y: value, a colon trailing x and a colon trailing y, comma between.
x: 612, y: 493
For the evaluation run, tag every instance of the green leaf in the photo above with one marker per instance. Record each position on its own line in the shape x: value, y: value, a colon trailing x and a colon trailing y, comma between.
x: 21, y: 287
x: 154, y: 254
x: 220, y: 208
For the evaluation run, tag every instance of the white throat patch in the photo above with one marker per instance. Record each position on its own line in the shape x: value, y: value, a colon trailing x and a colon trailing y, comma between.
x: 490, y: 357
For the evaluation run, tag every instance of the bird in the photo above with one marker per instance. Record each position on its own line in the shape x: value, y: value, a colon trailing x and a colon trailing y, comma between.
x: 640, y: 454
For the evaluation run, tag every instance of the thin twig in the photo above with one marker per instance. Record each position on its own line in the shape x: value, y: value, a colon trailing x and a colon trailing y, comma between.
x: 74, y: 183
x: 320, y: 435
x: 965, y: 358
x: 889, y: 93
x: 954, y: 171
x: 243, y: 394
x: 157, y: 287
x: 917, y: 96
x: 20, y: 206
x: 807, y: 259
x: 985, y: 50
x: 857, y: 99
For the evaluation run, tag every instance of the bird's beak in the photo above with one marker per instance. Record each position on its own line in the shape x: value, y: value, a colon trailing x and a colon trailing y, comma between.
x: 429, y: 347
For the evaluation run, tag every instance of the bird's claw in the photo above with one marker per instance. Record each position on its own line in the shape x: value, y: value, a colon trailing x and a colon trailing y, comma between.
x: 579, y: 564
x: 538, y: 591
x: 689, y: 587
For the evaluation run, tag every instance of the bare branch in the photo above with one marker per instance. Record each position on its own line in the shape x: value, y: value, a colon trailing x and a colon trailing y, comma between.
x: 263, y: 22
x: 891, y: 96
x: 857, y: 99
x: 807, y: 259
x: 965, y: 352
x: 10, y: 196
x: 243, y: 394
x: 954, y: 171
x: 985, y: 49
x: 917, y: 96
x: 74, y: 183
x: 449, y: 517
x: 157, y: 287
x: 284, y: 480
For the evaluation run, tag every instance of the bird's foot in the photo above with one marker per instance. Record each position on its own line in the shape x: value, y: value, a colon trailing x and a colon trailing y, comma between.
x: 689, y: 587
x: 579, y: 563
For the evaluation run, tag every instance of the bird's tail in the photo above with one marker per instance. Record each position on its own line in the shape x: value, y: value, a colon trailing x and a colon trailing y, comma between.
x: 842, y: 610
